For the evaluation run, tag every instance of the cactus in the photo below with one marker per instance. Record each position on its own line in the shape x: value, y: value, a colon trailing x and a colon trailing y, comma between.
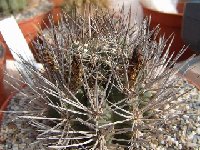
x: 81, y: 5
x: 104, y: 85
x: 12, y: 6
x: 4, y: 8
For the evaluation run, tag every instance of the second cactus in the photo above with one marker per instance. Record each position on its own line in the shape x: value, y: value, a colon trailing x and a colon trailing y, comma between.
x: 12, y: 6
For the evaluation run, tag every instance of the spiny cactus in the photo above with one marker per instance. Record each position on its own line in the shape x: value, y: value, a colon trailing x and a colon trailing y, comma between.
x: 81, y: 5
x: 12, y: 6
x: 105, y: 84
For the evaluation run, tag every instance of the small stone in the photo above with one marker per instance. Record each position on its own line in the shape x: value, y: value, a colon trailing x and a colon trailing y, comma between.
x: 162, y: 142
x: 9, y: 146
x: 198, y: 141
x: 198, y: 131
x: 12, y: 126
x: 22, y: 146
x: 191, y: 135
x: 176, y: 143
x: 15, y: 147
x: 2, y: 147
x: 180, y: 146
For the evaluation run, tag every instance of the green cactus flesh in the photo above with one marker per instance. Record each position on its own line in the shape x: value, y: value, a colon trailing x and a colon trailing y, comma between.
x: 12, y: 6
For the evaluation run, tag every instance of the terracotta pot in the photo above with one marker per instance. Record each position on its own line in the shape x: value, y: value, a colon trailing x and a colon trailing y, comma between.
x: 169, y: 23
x: 4, y: 106
x: 56, y: 13
x: 180, y: 7
x: 30, y: 32
x: 2, y: 68
x: 30, y: 28
x: 58, y: 3
x: 3, y: 43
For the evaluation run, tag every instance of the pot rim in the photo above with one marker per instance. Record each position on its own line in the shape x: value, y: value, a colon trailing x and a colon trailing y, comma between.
x: 37, y: 20
x: 6, y: 102
x: 4, y: 106
x: 142, y: 2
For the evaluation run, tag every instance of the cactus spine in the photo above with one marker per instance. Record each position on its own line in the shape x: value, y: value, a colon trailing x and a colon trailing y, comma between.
x: 104, y: 85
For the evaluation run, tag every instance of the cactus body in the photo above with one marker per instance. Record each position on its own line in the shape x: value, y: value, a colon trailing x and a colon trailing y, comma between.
x: 12, y: 6
x: 4, y: 7
x: 82, y: 5
x: 104, y: 85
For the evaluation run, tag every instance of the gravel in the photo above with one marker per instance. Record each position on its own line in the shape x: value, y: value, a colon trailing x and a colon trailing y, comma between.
x: 14, y: 135
x: 187, y: 128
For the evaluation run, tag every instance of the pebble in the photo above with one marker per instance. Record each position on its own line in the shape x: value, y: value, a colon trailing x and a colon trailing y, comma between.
x: 198, y: 131
x: 185, y: 130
